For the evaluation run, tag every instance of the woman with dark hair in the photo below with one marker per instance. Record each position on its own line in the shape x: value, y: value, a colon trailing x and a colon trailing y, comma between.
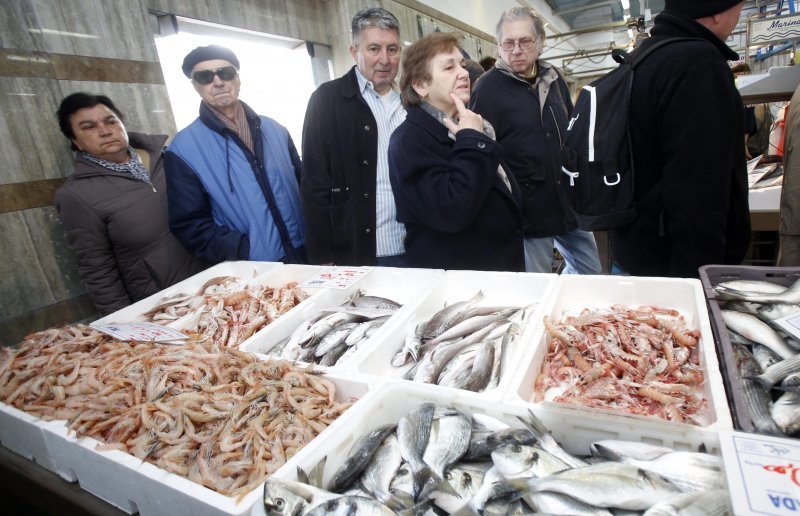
x: 113, y: 207
x: 460, y: 204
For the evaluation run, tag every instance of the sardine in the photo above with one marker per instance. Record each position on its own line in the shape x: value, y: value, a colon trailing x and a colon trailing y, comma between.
x: 778, y: 310
x: 359, y: 459
x: 688, y: 471
x: 548, y: 442
x: 351, y: 506
x: 516, y: 461
x: 607, y: 484
x: 786, y: 412
x: 709, y: 503
x: 757, y: 400
x: 630, y: 449
x: 764, y: 356
x: 481, y: 368
x: 282, y: 497
x: 469, y: 326
x: 334, y: 338
x: 363, y: 328
x: 790, y: 295
x: 482, y: 444
x: 331, y: 358
x: 322, y: 327
x: 381, y: 470
x: 448, y: 441
x: 756, y: 330
x: 434, y: 361
x: 777, y: 372
x: 413, y: 432
x: 448, y: 317
x: 458, y: 370
x: 750, y: 287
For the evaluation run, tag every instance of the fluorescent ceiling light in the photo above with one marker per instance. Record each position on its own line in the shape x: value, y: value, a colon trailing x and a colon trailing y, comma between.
x: 626, y: 4
x: 64, y: 33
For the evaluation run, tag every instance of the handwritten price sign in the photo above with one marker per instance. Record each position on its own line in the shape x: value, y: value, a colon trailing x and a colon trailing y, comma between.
x: 142, y: 331
x: 336, y: 277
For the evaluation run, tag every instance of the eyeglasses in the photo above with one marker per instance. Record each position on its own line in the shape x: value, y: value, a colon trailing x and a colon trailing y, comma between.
x: 524, y: 44
x: 226, y: 73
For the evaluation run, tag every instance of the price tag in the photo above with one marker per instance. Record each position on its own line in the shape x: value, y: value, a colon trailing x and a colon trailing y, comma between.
x: 763, y: 473
x: 336, y: 277
x: 142, y: 331
x: 791, y: 323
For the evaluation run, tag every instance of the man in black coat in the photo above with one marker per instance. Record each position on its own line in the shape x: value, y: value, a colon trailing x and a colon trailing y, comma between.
x: 347, y: 196
x: 686, y: 129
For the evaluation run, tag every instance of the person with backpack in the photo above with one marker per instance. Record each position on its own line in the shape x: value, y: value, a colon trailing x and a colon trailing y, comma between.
x: 690, y: 182
x: 528, y: 103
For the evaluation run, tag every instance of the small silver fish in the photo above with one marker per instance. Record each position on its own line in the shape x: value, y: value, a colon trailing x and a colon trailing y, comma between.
x: 413, y: 432
x: 548, y: 442
x: 631, y: 449
x: 756, y: 330
x: 449, y: 316
x: 378, y: 475
x: 359, y: 459
x: 775, y: 373
x: 757, y: 401
x: 786, y: 412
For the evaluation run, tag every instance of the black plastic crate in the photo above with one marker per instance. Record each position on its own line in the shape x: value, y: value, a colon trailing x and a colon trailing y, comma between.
x: 711, y: 275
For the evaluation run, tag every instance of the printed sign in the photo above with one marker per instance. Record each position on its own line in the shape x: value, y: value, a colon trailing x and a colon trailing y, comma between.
x: 776, y: 28
x: 763, y: 473
x: 336, y: 277
x: 791, y: 323
x: 142, y: 331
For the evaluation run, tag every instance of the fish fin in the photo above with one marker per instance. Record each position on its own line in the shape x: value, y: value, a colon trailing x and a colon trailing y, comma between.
x: 316, y: 472
x: 607, y: 453
x: 419, y: 479
x: 302, y: 476
x: 534, y: 424
x: 760, y: 380
x: 789, y: 388
x: 416, y: 510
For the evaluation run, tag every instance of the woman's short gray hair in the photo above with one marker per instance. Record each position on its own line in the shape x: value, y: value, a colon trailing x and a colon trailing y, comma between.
x: 521, y: 13
x: 373, y: 17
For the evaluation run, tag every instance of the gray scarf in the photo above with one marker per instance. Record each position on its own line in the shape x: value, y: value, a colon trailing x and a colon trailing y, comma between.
x: 133, y: 167
x: 488, y: 130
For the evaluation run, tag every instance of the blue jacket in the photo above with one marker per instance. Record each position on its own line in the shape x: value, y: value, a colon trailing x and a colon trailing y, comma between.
x: 458, y: 213
x: 223, y: 199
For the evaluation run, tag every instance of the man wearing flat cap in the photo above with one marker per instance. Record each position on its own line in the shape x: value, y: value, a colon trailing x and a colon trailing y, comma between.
x: 689, y: 158
x: 233, y: 175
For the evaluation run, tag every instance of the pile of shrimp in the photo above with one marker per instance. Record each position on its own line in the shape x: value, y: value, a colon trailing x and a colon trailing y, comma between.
x: 635, y: 360
x: 213, y: 414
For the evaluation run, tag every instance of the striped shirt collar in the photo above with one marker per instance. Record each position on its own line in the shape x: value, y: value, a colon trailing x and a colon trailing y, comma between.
x: 365, y: 86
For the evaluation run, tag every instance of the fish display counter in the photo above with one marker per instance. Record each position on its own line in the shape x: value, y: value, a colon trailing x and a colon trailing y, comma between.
x: 760, y: 361
x: 334, y: 329
x: 634, y: 347
x: 467, y: 332
x: 416, y: 445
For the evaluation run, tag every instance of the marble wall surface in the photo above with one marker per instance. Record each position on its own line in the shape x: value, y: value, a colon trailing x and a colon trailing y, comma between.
x: 49, y: 49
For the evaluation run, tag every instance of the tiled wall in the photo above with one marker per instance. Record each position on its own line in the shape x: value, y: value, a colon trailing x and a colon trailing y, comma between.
x: 51, y: 48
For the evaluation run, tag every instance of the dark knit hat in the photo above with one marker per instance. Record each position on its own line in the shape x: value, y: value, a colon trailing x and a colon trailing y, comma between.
x: 200, y: 54
x: 698, y: 8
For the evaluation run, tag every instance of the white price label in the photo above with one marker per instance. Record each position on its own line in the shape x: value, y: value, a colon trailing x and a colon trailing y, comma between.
x: 142, y: 331
x: 336, y: 277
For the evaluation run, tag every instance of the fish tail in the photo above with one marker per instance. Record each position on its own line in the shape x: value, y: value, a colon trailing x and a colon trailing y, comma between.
x: 535, y: 425
x: 761, y: 380
x: 420, y: 477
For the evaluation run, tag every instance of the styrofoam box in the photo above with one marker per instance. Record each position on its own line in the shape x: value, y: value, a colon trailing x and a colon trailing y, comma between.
x: 404, y: 286
x: 243, y: 269
x: 132, y: 485
x: 575, y: 293
x: 20, y: 433
x: 574, y: 431
x: 499, y: 288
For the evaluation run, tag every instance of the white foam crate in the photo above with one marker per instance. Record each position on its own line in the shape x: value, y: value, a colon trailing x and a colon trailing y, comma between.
x: 499, y: 288
x: 134, y: 486
x: 20, y: 432
x: 575, y: 293
x: 404, y: 286
x: 243, y: 269
x: 573, y: 430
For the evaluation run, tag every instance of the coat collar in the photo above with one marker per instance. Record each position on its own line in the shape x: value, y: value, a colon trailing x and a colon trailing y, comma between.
x: 152, y: 143
x: 673, y: 24
x: 350, y: 87
x: 208, y: 117
x: 419, y: 116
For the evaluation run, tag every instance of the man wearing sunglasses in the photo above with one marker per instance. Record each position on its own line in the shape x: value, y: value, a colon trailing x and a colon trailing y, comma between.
x: 528, y: 103
x: 233, y: 175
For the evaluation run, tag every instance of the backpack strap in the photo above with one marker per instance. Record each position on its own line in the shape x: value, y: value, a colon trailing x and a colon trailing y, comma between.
x: 639, y: 55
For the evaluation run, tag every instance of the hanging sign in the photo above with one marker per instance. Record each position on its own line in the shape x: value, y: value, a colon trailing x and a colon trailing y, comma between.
x: 776, y: 28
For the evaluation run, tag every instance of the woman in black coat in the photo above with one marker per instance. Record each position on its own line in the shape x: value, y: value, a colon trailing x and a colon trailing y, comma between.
x: 460, y: 205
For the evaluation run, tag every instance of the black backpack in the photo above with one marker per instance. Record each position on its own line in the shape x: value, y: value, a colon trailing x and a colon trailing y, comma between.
x: 596, y: 183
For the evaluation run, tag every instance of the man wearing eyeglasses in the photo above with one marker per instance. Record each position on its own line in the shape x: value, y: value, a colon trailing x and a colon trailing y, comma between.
x: 348, y: 202
x: 528, y: 103
x: 232, y: 175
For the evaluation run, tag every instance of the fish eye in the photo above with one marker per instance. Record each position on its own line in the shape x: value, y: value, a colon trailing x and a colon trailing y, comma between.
x: 402, y: 471
x: 280, y: 503
x: 448, y: 476
x: 516, y: 448
x: 467, y: 479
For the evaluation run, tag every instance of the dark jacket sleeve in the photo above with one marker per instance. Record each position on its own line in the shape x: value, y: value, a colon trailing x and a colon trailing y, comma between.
x: 442, y: 190
x: 698, y: 165
x: 87, y: 236
x: 191, y: 219
x: 315, y: 185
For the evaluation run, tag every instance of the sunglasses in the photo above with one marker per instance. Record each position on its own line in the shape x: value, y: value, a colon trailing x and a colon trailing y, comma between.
x: 226, y: 73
